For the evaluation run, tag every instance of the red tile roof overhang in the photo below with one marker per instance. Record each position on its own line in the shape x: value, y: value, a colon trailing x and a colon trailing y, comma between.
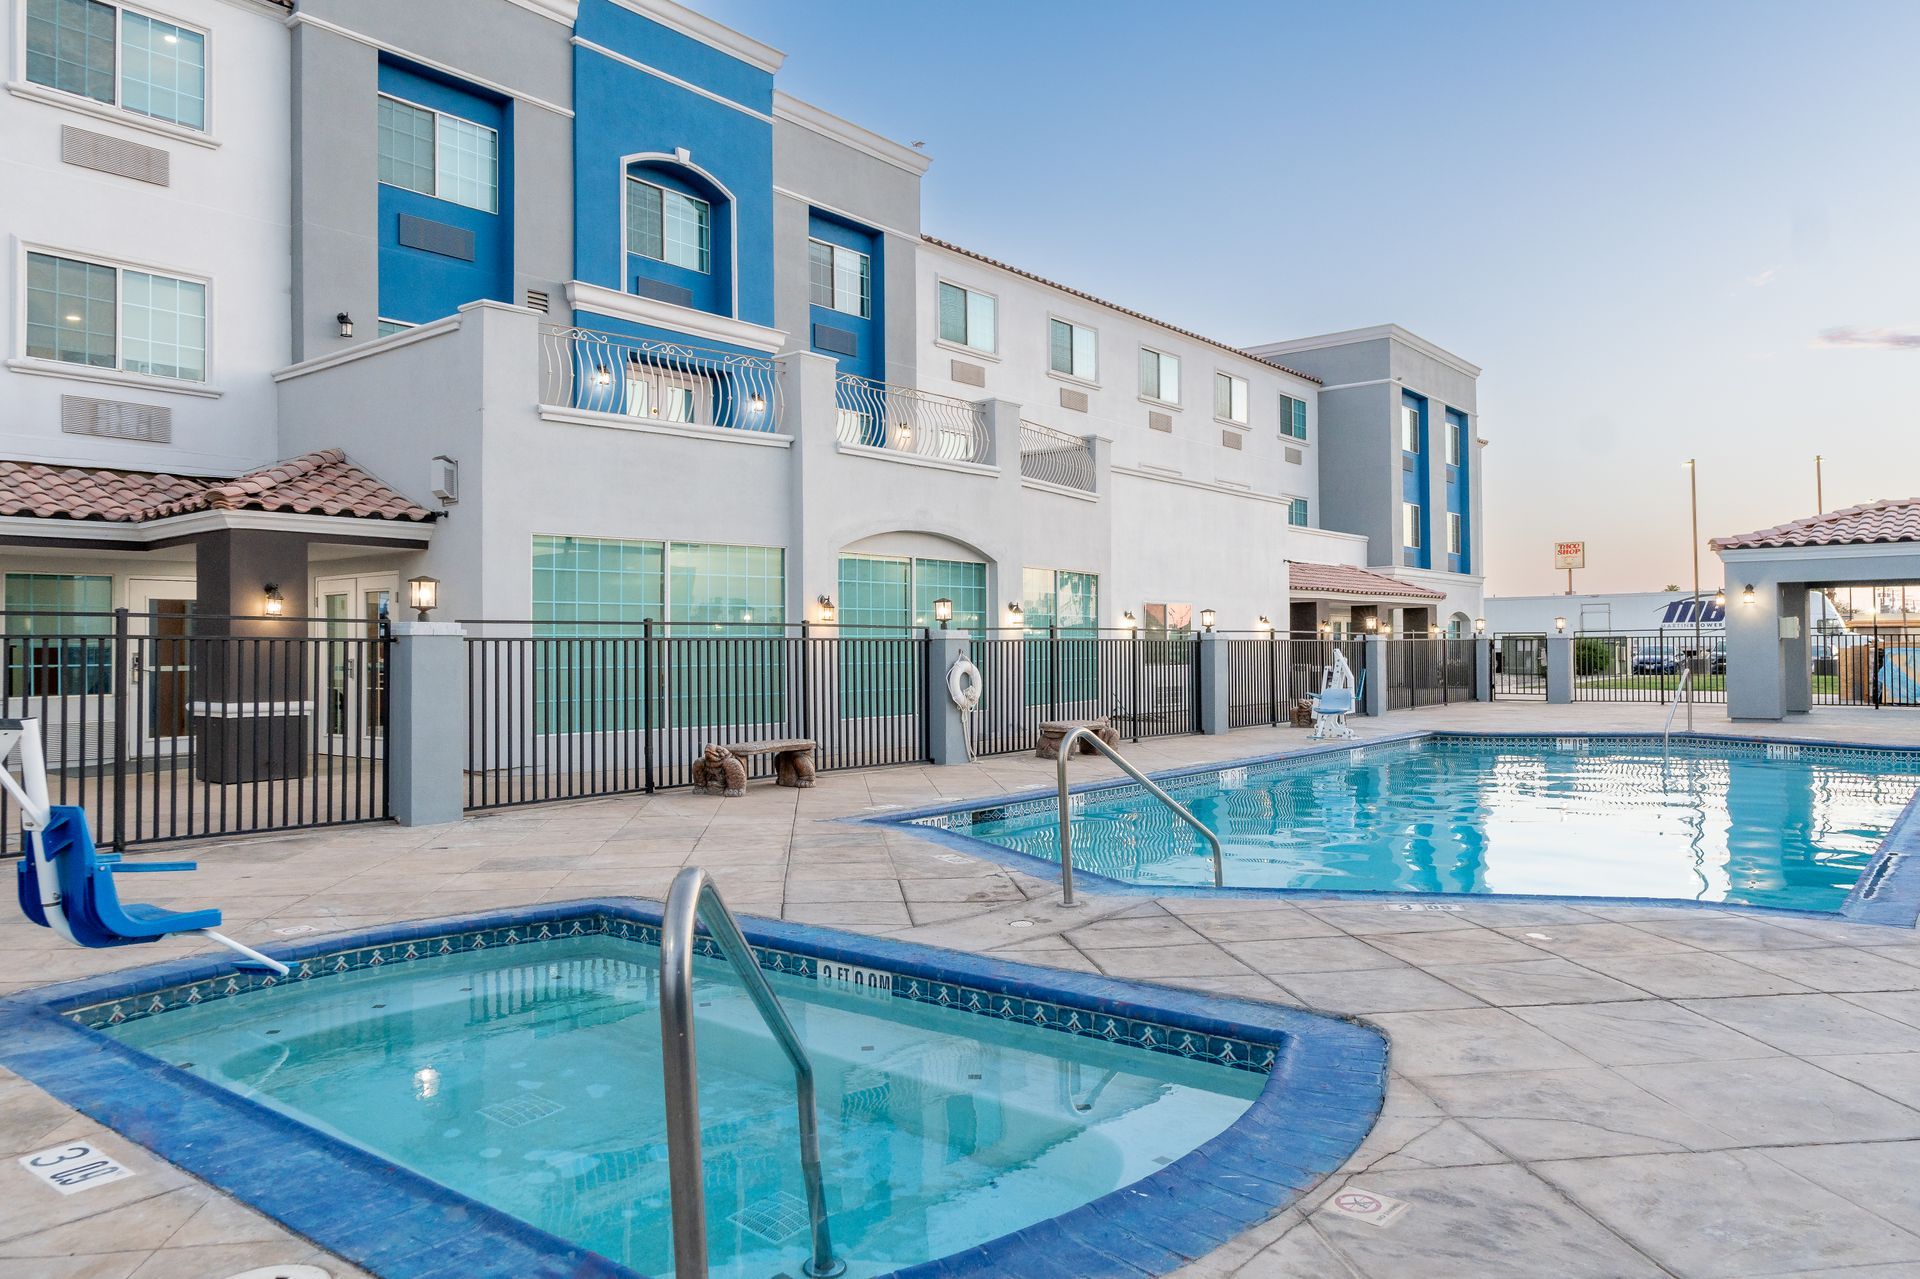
x: 1887, y: 521
x: 1343, y: 581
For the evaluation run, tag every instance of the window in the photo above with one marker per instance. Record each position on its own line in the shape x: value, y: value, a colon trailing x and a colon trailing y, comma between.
x: 1454, y: 540
x: 1409, y: 428
x: 109, y: 318
x: 439, y: 155
x: 1293, y: 417
x: 1297, y: 512
x: 1230, y: 398
x: 387, y: 328
x: 1455, y: 442
x: 669, y: 227
x: 1158, y: 621
x: 78, y: 46
x: 51, y: 655
x: 1072, y: 349
x: 1410, y: 524
x: 656, y: 391
x: 1159, y: 376
x: 967, y: 318
x: 841, y: 278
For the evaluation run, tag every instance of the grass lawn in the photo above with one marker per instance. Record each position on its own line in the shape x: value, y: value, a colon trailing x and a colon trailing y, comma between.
x: 1823, y: 685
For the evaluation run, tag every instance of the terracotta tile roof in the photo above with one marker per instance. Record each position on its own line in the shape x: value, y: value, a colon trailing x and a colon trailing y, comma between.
x: 1115, y: 306
x: 1344, y: 579
x: 1889, y: 520
x: 322, y: 483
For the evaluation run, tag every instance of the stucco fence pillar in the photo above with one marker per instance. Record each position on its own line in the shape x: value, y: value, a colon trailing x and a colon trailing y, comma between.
x: 427, y: 722
x: 946, y: 722
x: 1482, y: 670
x: 1559, y: 669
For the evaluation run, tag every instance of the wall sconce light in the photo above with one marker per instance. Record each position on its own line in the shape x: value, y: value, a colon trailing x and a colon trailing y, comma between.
x: 943, y: 612
x: 1560, y: 625
x: 1326, y: 629
x: 1373, y: 624
x: 345, y: 322
x: 1129, y: 621
x: 1433, y: 630
x: 423, y: 593
x: 1747, y: 596
x: 1206, y: 619
x: 1014, y: 609
x: 1265, y: 623
x: 1720, y: 598
x: 827, y: 611
x: 276, y: 603
x: 602, y: 375
x: 1479, y: 626
x: 756, y: 403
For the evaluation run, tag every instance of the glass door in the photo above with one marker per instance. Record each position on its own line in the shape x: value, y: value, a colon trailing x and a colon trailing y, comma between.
x: 159, y: 671
x: 353, y: 702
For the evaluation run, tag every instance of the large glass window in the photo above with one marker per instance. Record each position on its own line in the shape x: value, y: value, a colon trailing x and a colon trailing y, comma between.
x: 669, y: 226
x: 967, y: 318
x: 884, y: 599
x: 52, y: 623
x: 1293, y: 417
x: 1159, y: 375
x: 1073, y: 349
x: 1066, y: 604
x: 840, y: 278
x: 1230, y: 398
x: 119, y: 57
x: 88, y: 313
x: 440, y: 155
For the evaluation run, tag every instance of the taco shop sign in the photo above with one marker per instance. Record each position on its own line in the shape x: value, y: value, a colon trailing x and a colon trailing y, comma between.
x: 1569, y: 555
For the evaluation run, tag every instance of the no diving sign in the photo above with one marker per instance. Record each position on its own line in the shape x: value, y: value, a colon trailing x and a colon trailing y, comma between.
x: 1375, y: 1210
x: 75, y: 1166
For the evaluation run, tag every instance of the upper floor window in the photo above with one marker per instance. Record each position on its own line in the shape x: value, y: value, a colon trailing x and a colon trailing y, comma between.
x: 967, y: 317
x: 841, y: 278
x: 1410, y: 524
x: 1159, y: 375
x: 1293, y: 417
x: 119, y: 57
x: 1456, y: 538
x: 1230, y: 398
x: 1297, y: 512
x: 109, y: 317
x: 1456, y: 442
x: 669, y: 227
x: 1409, y: 432
x: 439, y: 155
x: 1073, y: 349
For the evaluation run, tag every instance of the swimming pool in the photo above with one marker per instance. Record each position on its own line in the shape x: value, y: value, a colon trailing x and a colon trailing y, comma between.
x: 483, y: 1096
x: 1724, y: 821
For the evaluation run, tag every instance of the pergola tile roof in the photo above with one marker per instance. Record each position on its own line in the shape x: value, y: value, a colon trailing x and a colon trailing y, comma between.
x: 1888, y: 520
x: 319, y: 483
x: 1307, y: 578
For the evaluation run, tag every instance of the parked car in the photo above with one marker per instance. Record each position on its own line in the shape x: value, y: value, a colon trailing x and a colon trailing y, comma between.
x: 1656, y: 663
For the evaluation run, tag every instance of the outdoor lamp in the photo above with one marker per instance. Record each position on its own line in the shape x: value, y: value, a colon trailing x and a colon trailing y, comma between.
x: 1206, y: 619
x: 423, y: 593
x: 827, y: 613
x: 1560, y: 625
x: 602, y: 375
x: 345, y: 322
x: 757, y: 403
x: 1014, y: 609
x: 276, y: 603
x: 1265, y: 623
x: 1326, y: 629
x: 1128, y: 620
x: 1747, y: 596
x: 1373, y: 624
x: 1720, y: 598
x: 943, y: 612
x: 1479, y: 626
x: 1433, y: 630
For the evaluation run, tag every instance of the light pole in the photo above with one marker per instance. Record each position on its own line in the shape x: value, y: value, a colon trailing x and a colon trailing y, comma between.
x: 1819, y: 489
x: 1693, y: 502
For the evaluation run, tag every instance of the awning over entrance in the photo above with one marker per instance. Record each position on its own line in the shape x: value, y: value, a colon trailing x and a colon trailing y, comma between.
x: 1345, y: 582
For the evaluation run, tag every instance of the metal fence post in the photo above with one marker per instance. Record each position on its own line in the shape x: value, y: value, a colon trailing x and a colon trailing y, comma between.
x: 1053, y: 670
x: 122, y: 656
x: 646, y: 703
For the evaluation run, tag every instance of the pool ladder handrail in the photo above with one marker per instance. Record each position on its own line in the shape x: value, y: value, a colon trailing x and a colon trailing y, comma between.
x: 1085, y: 734
x: 693, y: 900
x: 1679, y: 690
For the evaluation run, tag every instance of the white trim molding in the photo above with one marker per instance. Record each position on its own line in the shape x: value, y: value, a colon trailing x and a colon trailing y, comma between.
x: 1348, y: 337
x: 377, y: 346
x: 657, y: 426
x: 696, y: 26
x: 846, y: 132
x: 110, y: 114
x: 16, y: 528
x: 598, y: 299
x: 358, y: 37
x: 616, y: 56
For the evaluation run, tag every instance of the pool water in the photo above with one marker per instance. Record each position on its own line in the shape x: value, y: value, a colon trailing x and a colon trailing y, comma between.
x: 529, y: 1078
x: 1605, y: 819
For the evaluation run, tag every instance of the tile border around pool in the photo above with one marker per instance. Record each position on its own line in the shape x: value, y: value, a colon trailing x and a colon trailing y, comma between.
x: 1322, y: 1095
x: 1887, y: 892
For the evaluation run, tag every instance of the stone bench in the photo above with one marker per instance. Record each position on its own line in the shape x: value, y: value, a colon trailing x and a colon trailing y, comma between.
x: 1053, y: 732
x: 722, y: 770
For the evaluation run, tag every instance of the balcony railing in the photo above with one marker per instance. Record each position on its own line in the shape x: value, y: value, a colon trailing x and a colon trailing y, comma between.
x: 1054, y: 457
x: 903, y: 420
x: 654, y: 381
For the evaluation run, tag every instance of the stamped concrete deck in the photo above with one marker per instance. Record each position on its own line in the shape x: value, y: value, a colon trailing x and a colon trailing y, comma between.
x: 1586, y: 1091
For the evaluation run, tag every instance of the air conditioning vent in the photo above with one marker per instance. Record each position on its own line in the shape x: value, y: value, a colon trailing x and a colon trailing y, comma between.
x: 970, y: 374
x: 97, y: 151
x: 836, y: 341
x: 436, y: 237
x: 537, y: 300
x: 116, y: 419
x: 1406, y: 461
x: 1295, y: 457
x: 1160, y: 422
x: 1230, y: 439
x: 678, y: 296
x: 1075, y: 400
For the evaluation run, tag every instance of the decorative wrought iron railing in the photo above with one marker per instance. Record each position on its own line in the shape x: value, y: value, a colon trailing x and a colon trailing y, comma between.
x: 1054, y: 457
x: 655, y: 381
x: 901, y: 419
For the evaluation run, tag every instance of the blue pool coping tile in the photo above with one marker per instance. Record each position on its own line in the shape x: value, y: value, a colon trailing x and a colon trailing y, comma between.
x: 1323, y: 1091
x: 1887, y: 892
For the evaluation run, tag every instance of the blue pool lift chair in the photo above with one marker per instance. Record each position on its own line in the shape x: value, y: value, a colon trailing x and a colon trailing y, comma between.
x: 66, y: 884
x: 1339, y: 697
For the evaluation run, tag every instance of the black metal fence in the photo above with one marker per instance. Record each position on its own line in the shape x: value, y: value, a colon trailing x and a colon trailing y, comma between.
x: 1520, y: 666
x: 1646, y: 667
x: 175, y: 725
x: 1145, y: 685
x: 1877, y: 666
x: 1268, y: 673
x: 628, y: 708
x: 1426, y: 672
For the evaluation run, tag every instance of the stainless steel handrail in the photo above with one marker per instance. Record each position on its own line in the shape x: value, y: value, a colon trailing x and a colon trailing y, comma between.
x: 1084, y: 734
x: 692, y: 900
x: 1684, y: 686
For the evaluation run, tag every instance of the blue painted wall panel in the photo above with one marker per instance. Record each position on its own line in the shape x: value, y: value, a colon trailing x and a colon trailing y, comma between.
x: 1413, y: 484
x: 415, y: 285
x: 870, y: 333
x: 646, y: 41
x: 1459, y: 492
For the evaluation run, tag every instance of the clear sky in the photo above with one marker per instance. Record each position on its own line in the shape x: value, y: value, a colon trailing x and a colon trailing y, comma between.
x: 1664, y: 230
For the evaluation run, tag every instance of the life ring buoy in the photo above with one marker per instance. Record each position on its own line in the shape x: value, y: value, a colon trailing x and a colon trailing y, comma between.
x: 963, y: 684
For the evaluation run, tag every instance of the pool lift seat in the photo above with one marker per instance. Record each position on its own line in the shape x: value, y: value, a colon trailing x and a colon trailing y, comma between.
x: 1339, y: 697
x: 66, y: 884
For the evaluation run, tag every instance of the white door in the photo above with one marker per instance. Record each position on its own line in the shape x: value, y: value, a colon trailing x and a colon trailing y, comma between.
x: 352, y: 696
x: 158, y: 673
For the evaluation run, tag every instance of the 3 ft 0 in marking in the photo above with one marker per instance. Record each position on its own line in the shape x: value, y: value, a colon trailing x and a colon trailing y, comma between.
x: 75, y: 1166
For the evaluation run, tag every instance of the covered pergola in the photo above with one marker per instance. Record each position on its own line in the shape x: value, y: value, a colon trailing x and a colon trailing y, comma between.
x: 1770, y: 575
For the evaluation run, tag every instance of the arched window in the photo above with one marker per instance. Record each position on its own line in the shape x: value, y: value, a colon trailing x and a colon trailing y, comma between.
x: 678, y: 228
